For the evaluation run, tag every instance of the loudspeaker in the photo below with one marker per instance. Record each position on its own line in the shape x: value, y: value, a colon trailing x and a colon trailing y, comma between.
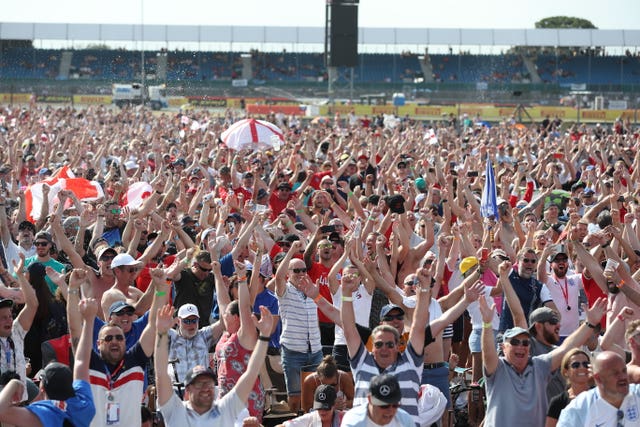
x: 343, y: 38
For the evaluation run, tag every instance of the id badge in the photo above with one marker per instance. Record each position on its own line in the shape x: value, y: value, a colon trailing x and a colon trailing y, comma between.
x: 112, y: 410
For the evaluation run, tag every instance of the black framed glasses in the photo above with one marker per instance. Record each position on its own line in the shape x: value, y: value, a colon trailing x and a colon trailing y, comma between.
x: 109, y: 338
x: 517, y: 342
x: 576, y: 365
x: 206, y: 270
x: 41, y: 243
x: 299, y: 270
x: 388, y: 344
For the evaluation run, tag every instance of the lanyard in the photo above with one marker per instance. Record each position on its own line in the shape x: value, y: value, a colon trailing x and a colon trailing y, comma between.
x: 565, y: 291
x: 111, y: 376
x: 9, y: 351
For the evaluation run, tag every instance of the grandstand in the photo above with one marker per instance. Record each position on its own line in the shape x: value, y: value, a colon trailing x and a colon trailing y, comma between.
x: 549, y: 71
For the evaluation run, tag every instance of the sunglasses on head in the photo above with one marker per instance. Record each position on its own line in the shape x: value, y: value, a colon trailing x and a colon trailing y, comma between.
x: 299, y: 270
x: 576, y: 365
x: 516, y: 342
x: 388, y: 344
x: 41, y: 243
x: 109, y: 338
x: 392, y: 317
x: 206, y: 270
x: 190, y: 321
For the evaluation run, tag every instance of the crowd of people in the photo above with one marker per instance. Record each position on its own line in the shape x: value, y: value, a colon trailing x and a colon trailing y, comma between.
x: 359, y: 263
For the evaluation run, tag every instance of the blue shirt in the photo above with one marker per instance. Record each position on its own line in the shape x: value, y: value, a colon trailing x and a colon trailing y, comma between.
x: 270, y: 301
x: 131, y: 337
x: 79, y: 409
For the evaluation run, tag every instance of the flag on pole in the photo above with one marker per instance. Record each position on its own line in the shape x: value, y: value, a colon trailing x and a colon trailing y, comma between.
x: 489, y: 202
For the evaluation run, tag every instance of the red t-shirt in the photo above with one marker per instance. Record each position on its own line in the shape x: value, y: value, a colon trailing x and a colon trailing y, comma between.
x: 277, y: 205
x: 320, y: 272
x: 593, y: 293
x: 316, y: 179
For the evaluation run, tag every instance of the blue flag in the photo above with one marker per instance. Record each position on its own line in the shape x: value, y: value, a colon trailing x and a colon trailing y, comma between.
x: 489, y: 203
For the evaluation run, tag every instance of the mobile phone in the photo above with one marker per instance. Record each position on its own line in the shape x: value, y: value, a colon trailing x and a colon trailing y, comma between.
x: 327, y: 229
x: 558, y: 155
x: 431, y: 170
x: 484, y: 254
x: 472, y: 174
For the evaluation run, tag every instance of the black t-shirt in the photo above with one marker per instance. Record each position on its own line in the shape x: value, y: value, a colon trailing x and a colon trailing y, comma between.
x: 201, y: 293
x: 557, y: 404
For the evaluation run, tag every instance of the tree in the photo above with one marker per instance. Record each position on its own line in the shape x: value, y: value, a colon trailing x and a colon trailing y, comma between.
x: 565, y: 22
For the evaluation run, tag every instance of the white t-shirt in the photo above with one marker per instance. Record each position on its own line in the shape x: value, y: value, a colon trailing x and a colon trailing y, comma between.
x: 565, y: 293
x: 474, y: 311
x: 361, y: 308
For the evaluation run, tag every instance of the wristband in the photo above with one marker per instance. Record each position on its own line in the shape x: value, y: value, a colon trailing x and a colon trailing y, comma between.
x: 265, y: 339
x: 299, y: 210
x: 590, y: 325
x: 160, y: 293
x: 621, y: 284
x: 487, y: 325
x: 350, y: 193
x: 347, y: 299
x: 317, y: 298
x: 620, y: 317
x: 424, y: 290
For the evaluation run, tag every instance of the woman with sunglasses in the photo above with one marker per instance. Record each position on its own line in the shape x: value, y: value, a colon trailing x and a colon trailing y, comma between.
x: 575, y: 370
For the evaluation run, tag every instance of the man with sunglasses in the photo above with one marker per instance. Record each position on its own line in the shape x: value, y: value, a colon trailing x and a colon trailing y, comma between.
x: 544, y: 327
x: 43, y: 243
x: 516, y: 382
x: 382, y: 408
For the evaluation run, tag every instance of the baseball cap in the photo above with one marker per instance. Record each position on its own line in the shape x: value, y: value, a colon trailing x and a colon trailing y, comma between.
x: 187, y: 310
x: 104, y: 250
x: 44, y: 235
x: 559, y: 249
x: 119, y: 306
x: 262, y: 193
x: 187, y: 219
x: 468, y: 263
x: 387, y: 308
x: 197, y: 371
x: 57, y: 380
x: 324, y: 397
x: 124, y: 260
x: 542, y: 314
x: 420, y: 183
x: 384, y: 390
x: 514, y: 332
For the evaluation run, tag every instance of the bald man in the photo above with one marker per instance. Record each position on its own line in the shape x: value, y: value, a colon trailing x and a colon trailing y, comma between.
x: 614, y: 402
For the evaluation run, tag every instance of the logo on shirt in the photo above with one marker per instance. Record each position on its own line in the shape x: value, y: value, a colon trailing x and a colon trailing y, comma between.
x: 632, y: 413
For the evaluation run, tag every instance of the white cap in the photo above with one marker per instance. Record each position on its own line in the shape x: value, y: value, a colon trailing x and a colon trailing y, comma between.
x: 130, y: 164
x: 124, y: 260
x: 187, y: 310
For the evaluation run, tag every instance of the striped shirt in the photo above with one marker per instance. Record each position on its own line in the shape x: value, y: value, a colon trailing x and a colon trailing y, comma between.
x: 299, y: 315
x: 407, y: 369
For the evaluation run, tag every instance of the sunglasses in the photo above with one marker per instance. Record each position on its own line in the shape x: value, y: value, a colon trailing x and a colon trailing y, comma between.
x: 392, y: 317
x: 561, y: 259
x: 206, y: 270
x: 190, y: 321
x: 502, y: 258
x: 576, y: 365
x: 124, y: 313
x: 109, y: 338
x: 394, y: 406
x: 325, y: 246
x: 529, y: 260
x: 388, y: 344
x: 516, y: 342
x: 41, y: 243
x: 204, y: 386
x: 116, y: 211
x: 299, y: 270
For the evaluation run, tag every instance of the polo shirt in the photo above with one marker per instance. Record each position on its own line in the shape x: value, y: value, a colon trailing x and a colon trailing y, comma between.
x: 407, y: 369
x: 515, y: 399
x: 299, y: 314
x: 223, y: 412
x: 590, y: 409
x: 78, y: 409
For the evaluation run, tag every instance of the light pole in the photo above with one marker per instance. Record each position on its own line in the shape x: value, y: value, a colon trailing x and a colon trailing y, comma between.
x: 143, y: 88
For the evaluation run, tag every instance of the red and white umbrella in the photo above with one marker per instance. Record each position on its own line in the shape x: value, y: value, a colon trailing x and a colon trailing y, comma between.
x: 252, y: 134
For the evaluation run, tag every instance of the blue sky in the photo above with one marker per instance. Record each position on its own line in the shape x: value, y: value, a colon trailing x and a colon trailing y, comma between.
x: 612, y: 14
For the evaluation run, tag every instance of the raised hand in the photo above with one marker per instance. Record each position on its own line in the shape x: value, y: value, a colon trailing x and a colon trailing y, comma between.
x: 485, y: 310
x: 88, y: 308
x: 265, y: 323
x: 164, y: 319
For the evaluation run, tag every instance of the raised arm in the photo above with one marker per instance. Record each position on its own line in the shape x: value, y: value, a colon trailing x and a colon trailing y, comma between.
x: 246, y: 381
x: 489, y: 352
x: 88, y: 310
x: 421, y: 312
x: 281, y: 272
x: 28, y: 312
x: 349, y: 285
x: 247, y: 334
x: 164, y: 322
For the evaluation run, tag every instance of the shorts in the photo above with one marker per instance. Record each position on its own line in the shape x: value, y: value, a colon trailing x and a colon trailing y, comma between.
x: 475, y: 340
x: 292, y: 364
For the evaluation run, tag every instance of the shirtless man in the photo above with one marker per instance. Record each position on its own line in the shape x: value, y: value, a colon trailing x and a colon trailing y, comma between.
x: 125, y: 269
x: 104, y: 279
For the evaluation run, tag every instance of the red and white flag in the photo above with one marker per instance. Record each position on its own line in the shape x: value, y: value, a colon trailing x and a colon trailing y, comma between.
x: 63, y: 179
